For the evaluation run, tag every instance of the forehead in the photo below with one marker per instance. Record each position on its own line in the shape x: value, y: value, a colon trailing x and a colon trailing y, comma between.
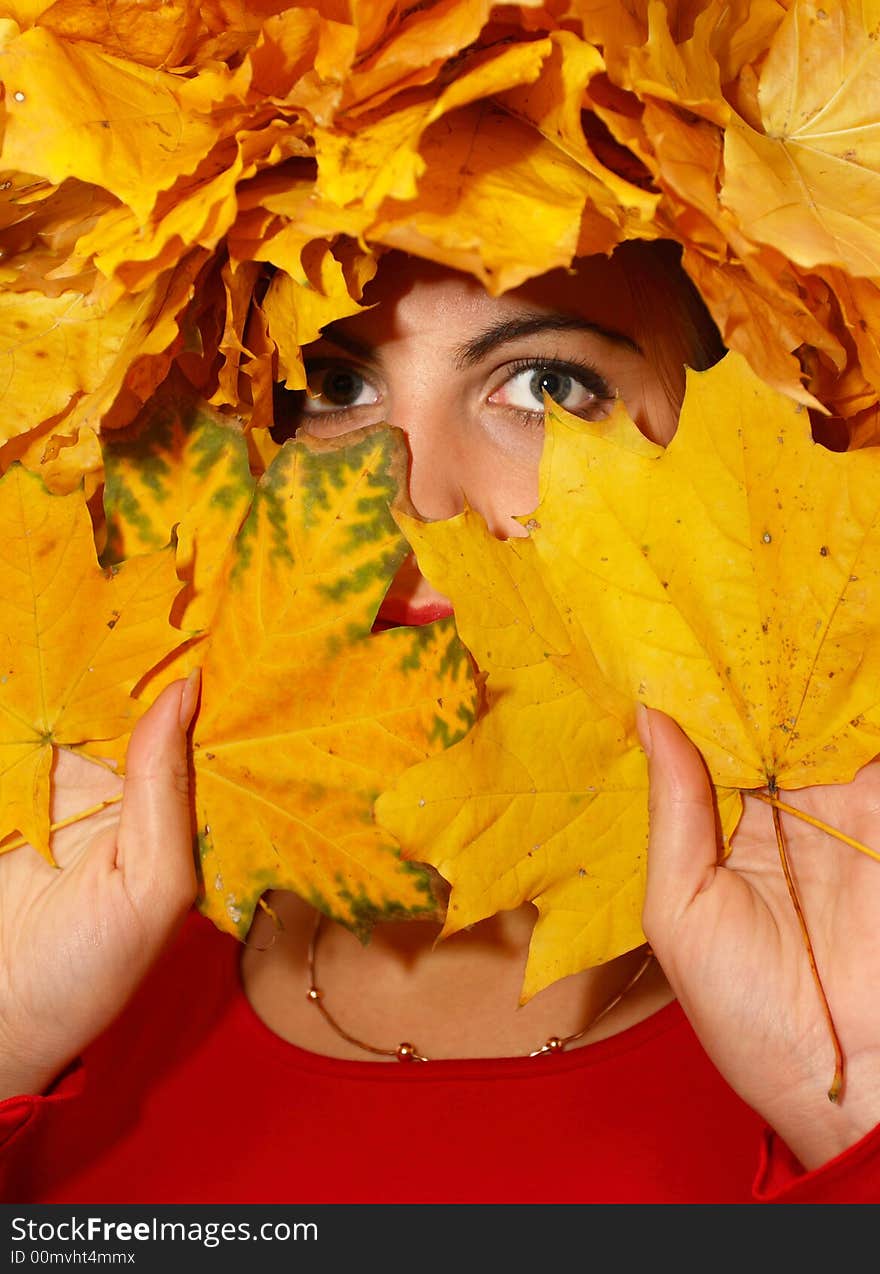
x: 410, y: 297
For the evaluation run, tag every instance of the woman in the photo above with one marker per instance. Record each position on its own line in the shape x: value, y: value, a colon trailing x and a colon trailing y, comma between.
x: 698, y: 1076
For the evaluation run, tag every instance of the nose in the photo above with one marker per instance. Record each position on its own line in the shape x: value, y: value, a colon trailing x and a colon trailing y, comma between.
x: 426, y: 403
x: 438, y: 480
x: 454, y: 461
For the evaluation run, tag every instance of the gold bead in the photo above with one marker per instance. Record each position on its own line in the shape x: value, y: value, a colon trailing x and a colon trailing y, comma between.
x: 406, y: 1052
x: 313, y: 994
x: 554, y: 1044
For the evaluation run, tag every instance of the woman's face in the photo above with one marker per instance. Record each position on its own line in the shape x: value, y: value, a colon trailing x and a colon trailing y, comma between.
x: 463, y: 374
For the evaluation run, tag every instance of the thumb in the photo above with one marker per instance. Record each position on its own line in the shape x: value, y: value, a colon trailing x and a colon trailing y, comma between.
x: 155, y: 838
x: 683, y: 834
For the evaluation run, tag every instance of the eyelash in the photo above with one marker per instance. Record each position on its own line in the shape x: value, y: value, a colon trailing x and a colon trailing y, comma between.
x: 326, y: 365
x: 584, y: 372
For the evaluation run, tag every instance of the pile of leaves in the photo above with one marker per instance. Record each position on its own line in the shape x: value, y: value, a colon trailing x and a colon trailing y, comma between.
x: 190, y: 192
x: 209, y: 184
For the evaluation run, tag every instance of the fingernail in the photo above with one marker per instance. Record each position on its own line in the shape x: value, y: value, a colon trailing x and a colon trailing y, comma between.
x: 643, y: 725
x: 189, y: 698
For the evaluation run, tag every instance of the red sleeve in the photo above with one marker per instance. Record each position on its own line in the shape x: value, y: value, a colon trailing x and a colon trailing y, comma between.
x: 851, y: 1177
x: 21, y: 1117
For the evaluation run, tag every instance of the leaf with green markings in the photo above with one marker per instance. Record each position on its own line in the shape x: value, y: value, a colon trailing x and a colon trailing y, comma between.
x: 306, y: 714
x: 181, y: 465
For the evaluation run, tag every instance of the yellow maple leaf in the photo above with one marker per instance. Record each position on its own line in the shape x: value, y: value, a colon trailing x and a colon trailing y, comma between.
x: 73, y: 110
x: 381, y: 159
x: 74, y: 361
x: 555, y: 106
x: 75, y: 642
x: 720, y: 81
x: 808, y: 184
x: 485, y: 172
x: 52, y: 350
x: 732, y: 580
x: 305, y: 713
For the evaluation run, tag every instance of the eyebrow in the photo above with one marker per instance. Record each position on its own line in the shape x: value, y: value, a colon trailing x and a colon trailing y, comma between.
x: 512, y: 329
x: 502, y: 333
x: 357, y: 349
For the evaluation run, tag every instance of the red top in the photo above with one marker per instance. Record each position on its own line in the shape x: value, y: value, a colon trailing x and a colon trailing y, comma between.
x: 190, y: 1098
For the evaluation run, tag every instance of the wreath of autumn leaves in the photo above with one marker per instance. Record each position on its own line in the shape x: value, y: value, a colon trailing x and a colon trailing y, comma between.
x: 190, y: 192
x: 157, y: 157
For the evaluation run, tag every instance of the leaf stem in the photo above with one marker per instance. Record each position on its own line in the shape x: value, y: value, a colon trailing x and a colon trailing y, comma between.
x: 64, y: 822
x: 837, y: 1082
x: 815, y: 822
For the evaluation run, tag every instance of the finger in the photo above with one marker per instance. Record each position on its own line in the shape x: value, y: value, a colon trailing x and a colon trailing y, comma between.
x: 80, y: 785
x: 683, y: 834
x: 155, y: 841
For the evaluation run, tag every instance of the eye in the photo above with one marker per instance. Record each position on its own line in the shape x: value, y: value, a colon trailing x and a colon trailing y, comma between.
x: 336, y: 387
x: 578, y: 388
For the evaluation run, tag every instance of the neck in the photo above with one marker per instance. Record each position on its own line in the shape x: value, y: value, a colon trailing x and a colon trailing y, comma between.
x: 458, y: 998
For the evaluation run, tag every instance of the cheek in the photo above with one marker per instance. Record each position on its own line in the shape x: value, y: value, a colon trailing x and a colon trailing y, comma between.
x: 505, y: 462
x: 662, y: 419
x: 652, y: 406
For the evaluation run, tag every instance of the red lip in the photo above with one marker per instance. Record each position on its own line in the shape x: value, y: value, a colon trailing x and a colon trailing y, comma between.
x: 399, y: 614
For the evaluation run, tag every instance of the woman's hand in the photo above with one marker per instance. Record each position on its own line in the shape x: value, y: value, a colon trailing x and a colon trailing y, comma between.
x: 728, y: 938
x: 75, y: 941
